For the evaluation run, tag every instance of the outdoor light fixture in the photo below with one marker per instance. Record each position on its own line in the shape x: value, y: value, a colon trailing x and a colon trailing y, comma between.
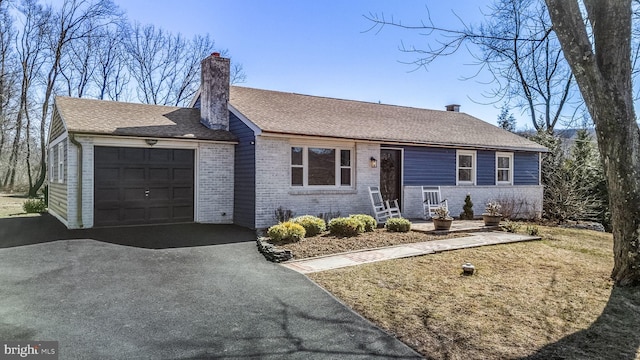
x: 468, y: 269
x: 373, y: 162
x: 151, y: 142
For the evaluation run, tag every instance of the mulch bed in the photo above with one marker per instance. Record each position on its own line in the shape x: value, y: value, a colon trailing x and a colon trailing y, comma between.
x: 326, y: 244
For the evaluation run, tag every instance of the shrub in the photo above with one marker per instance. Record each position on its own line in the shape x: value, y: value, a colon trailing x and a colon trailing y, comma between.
x: 467, y: 213
x: 533, y: 230
x: 344, y: 226
x: 286, y: 232
x: 283, y: 215
x: 369, y: 222
x: 510, y: 226
x: 328, y: 216
x: 398, y: 225
x: 311, y: 224
x: 34, y: 206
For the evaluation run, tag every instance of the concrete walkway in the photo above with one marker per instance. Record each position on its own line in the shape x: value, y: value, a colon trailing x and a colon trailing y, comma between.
x: 328, y: 262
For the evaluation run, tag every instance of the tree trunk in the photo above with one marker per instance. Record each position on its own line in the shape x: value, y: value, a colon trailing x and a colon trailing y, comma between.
x: 10, y: 176
x: 604, y: 78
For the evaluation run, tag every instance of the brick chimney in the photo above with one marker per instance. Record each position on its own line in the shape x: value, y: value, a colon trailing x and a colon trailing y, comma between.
x: 453, y: 107
x: 214, y: 92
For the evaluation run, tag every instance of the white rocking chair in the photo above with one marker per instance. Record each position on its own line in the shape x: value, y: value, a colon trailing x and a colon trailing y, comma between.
x: 431, y: 200
x: 382, y: 210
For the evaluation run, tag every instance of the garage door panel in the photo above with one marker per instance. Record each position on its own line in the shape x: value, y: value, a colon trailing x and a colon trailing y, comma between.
x: 133, y: 194
x: 159, y: 213
x: 182, y: 193
x: 108, y: 216
x: 107, y: 194
x: 143, y: 186
x: 134, y: 174
x: 161, y: 155
x: 183, y: 212
x: 182, y: 174
x: 132, y: 155
x: 159, y: 194
x: 183, y: 156
x: 159, y: 174
x: 134, y: 215
x: 107, y: 155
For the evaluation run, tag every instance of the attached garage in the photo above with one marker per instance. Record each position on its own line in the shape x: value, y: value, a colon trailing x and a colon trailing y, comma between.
x: 143, y: 186
x: 135, y: 164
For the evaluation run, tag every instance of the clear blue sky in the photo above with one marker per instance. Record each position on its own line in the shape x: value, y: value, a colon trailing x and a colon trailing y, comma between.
x: 321, y: 47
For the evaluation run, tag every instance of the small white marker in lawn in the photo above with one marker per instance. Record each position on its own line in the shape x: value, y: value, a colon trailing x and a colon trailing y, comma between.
x: 468, y: 269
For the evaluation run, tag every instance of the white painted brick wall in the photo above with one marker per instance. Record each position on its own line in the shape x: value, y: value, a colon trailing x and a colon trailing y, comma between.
x: 531, y: 195
x: 87, y: 181
x: 215, y: 183
x: 273, y: 184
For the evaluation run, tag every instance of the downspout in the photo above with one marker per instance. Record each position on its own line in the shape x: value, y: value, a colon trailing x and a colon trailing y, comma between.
x: 75, y: 142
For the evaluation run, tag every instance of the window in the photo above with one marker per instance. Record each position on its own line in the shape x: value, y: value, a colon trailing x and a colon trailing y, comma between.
x: 61, y: 163
x: 466, y: 166
x: 53, y: 164
x: 320, y: 166
x: 504, y: 168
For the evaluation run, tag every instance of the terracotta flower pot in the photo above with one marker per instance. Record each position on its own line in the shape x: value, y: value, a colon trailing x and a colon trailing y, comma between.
x: 491, y: 220
x: 442, y: 224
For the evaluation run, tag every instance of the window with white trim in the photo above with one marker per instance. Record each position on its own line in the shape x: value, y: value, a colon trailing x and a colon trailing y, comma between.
x: 321, y: 166
x: 466, y: 167
x: 52, y: 164
x: 61, y: 163
x: 504, y: 168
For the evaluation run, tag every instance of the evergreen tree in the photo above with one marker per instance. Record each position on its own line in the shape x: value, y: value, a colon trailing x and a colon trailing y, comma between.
x: 506, y: 120
x: 467, y: 209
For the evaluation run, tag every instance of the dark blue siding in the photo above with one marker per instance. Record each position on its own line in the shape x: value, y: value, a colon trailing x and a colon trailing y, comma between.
x: 486, y: 172
x: 244, y: 204
x: 429, y: 166
x: 525, y: 169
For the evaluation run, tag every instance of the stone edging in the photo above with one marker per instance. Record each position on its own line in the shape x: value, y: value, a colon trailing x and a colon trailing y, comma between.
x: 584, y: 225
x: 271, y: 253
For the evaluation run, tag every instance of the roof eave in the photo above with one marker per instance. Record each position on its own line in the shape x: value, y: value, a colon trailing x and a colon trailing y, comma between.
x: 98, y: 134
x: 407, y: 142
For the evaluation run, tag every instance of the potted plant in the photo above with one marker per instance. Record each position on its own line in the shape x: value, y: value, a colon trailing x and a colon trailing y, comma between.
x: 441, y: 219
x: 492, y: 214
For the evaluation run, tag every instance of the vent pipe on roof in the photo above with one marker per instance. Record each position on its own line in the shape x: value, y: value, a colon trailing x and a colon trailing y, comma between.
x: 214, y: 92
x: 453, y: 107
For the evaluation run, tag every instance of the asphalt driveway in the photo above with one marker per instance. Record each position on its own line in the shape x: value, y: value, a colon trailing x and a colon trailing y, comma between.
x: 169, y: 292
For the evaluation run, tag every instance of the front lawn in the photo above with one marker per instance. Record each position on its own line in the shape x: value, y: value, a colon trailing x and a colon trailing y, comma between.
x: 11, y: 205
x: 546, y: 299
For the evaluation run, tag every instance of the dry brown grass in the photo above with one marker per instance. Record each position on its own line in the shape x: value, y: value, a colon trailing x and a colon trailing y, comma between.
x: 546, y: 299
x: 325, y: 244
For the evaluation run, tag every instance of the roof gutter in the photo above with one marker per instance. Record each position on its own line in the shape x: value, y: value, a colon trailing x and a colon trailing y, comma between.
x: 72, y: 138
x: 410, y: 143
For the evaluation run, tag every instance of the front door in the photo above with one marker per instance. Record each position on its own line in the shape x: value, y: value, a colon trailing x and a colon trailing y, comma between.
x: 391, y: 174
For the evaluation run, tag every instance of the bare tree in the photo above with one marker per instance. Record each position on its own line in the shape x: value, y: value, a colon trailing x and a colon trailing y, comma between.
x: 166, y: 67
x: 111, y: 78
x: 8, y: 73
x: 81, y: 48
x: 73, y: 21
x: 30, y: 48
x: 517, y: 47
x: 598, y: 48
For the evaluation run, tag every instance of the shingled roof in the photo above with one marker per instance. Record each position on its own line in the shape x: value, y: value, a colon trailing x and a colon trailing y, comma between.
x: 90, y: 116
x: 296, y: 114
